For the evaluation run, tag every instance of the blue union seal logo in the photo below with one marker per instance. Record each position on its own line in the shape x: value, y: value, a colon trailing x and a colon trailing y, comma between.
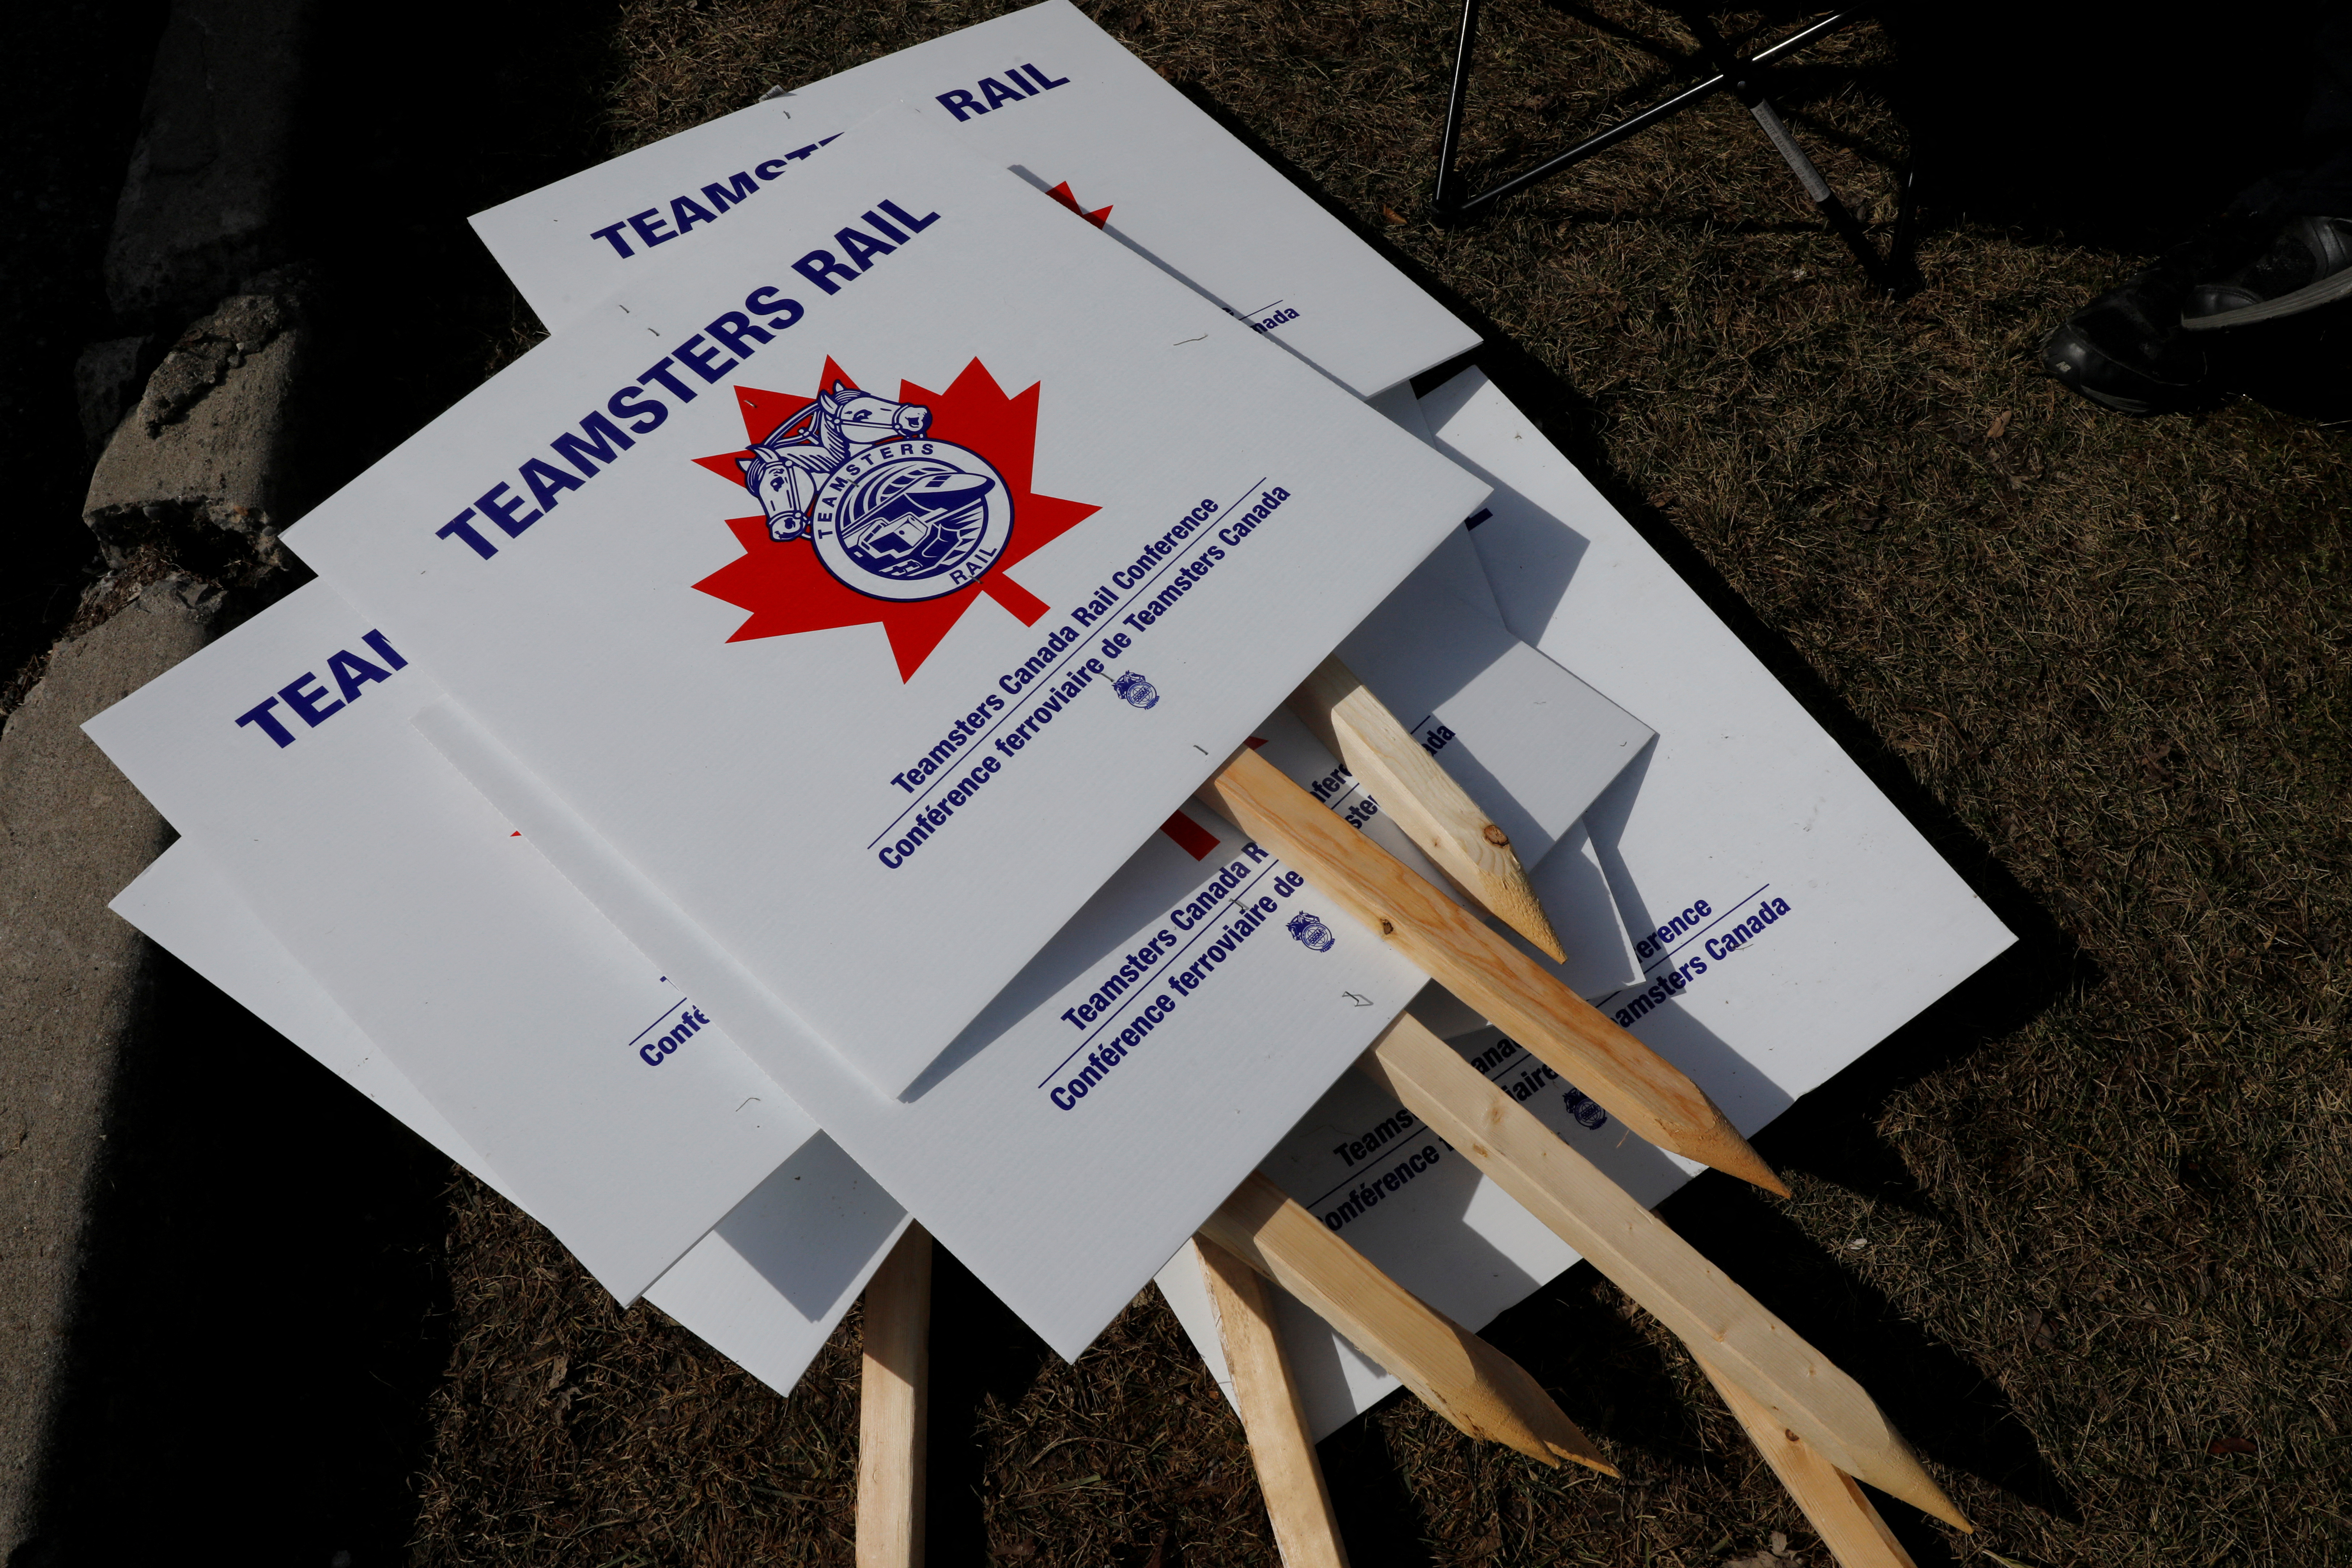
x: 1310, y: 930
x: 911, y: 520
x: 1137, y: 690
x: 892, y: 513
x: 901, y: 513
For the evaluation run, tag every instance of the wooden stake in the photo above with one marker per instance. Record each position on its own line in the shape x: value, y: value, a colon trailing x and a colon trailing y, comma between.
x: 894, y: 1404
x: 1298, y: 1503
x: 1436, y: 813
x: 1473, y: 1385
x: 1800, y: 1388
x: 1630, y: 1080
x: 1832, y: 1504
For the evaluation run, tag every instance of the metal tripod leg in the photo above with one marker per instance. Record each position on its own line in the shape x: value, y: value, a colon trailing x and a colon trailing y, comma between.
x: 1450, y: 203
x: 1743, y: 78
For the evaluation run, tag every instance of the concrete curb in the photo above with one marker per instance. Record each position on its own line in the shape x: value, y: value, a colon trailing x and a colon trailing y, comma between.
x: 186, y: 501
x: 71, y: 975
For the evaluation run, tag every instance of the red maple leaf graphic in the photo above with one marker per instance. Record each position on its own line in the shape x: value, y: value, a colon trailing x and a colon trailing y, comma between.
x: 788, y: 590
x: 1099, y: 217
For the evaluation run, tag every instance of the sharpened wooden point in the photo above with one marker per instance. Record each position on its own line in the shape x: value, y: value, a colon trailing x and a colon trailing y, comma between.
x: 1435, y: 812
x: 1282, y: 1449
x: 1652, y: 1097
x: 1831, y: 1503
x: 1804, y: 1390
x: 894, y: 1405
x: 1480, y: 1390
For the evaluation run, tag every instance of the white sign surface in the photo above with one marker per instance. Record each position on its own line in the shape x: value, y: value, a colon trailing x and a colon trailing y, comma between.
x: 591, y: 1084
x: 1043, y: 91
x: 1203, y: 994
x: 1454, y: 564
x: 1790, y: 917
x: 1828, y: 921
x: 392, y: 877
x: 1199, y: 1003
x: 996, y: 631
x: 768, y: 1283
x: 1568, y: 879
x: 1495, y: 712
x: 766, y: 1287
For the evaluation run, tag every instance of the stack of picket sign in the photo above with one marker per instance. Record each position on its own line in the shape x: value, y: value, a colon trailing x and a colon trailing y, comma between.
x: 733, y: 788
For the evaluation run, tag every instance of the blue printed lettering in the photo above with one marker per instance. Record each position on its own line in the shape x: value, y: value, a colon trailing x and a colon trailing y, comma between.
x: 303, y: 694
x: 351, y: 672
x: 267, y: 721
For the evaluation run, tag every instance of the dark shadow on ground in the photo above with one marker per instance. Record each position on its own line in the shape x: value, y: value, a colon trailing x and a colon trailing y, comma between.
x: 261, y: 1323
x: 980, y: 1351
x: 1952, y: 1410
x: 1379, y: 1518
x: 408, y: 140
x: 262, y: 1313
x: 71, y: 79
x: 2071, y: 119
x: 2081, y: 122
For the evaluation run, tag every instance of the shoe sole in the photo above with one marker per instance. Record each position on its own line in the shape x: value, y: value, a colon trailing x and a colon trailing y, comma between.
x: 2310, y: 297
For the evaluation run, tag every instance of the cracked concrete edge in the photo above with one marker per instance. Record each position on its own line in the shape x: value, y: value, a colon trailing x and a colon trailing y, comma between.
x: 199, y: 465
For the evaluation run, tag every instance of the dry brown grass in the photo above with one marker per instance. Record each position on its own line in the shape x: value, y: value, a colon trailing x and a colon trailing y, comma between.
x: 2081, y: 1227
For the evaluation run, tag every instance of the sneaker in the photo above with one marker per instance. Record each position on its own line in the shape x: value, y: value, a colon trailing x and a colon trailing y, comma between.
x: 2309, y: 265
x: 2125, y: 349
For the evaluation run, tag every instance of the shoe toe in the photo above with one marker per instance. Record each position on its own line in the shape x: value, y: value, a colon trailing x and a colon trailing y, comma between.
x: 2075, y: 364
x: 2074, y: 358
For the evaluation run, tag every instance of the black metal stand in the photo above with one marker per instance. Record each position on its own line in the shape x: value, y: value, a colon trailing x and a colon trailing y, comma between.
x: 1746, y: 80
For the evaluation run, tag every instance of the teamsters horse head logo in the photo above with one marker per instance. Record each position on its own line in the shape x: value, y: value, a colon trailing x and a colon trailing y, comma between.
x: 788, y: 470
x: 873, y: 509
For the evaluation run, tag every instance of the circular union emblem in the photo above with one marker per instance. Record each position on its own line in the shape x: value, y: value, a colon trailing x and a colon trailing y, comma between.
x: 911, y: 520
x: 1310, y: 930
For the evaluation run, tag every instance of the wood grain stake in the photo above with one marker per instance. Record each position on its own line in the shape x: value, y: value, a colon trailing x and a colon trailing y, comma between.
x: 1630, y: 1080
x: 1800, y: 1388
x: 1298, y: 1503
x: 1480, y: 1390
x: 1831, y: 1503
x: 894, y: 1404
x: 1423, y: 799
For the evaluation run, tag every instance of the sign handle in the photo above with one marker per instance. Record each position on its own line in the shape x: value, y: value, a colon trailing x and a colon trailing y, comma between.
x: 894, y: 1407
x: 1434, y: 811
x: 1480, y: 1390
x: 1802, y: 1391
x: 1832, y: 1504
x: 1520, y: 998
x: 1298, y: 1503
